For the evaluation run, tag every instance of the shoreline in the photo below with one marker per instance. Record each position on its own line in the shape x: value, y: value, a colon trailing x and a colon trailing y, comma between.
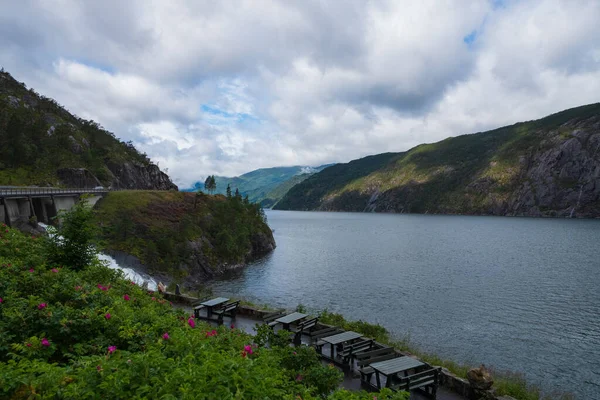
x: 508, y: 385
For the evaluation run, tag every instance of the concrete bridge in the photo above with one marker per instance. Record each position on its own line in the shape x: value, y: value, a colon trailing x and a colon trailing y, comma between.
x: 19, y: 204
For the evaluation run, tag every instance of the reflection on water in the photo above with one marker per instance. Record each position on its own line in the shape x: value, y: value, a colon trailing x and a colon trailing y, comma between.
x: 516, y: 293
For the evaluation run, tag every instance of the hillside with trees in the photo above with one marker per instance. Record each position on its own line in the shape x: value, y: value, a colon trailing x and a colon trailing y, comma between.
x: 41, y: 143
x: 548, y: 167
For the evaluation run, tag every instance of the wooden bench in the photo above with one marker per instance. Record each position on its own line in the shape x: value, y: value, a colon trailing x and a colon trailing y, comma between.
x: 366, y: 372
x: 427, y: 381
x: 352, y: 349
x: 229, y: 310
x: 304, y: 327
x: 270, y: 318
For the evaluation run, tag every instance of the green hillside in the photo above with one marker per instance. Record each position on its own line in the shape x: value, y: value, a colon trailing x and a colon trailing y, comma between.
x: 260, y: 184
x: 544, y: 167
x: 41, y: 143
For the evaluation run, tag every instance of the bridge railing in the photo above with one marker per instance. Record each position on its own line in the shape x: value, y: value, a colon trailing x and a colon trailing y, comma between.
x: 15, y: 191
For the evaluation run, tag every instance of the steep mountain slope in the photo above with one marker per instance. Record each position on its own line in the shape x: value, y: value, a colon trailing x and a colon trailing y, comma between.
x: 258, y: 184
x: 41, y: 143
x: 277, y: 193
x: 548, y: 167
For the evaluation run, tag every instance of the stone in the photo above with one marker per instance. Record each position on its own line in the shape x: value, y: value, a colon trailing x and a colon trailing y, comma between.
x: 480, y: 378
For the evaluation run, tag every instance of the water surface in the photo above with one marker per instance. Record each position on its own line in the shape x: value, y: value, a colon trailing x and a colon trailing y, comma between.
x: 519, y: 294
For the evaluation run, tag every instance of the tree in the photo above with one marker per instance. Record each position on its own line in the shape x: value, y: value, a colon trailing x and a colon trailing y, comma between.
x: 207, y: 183
x: 246, y: 200
x: 228, y: 190
x: 212, y: 184
x: 72, y: 244
x: 237, y: 194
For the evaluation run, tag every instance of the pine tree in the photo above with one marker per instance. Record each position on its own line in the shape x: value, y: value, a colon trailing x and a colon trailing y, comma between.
x: 228, y: 190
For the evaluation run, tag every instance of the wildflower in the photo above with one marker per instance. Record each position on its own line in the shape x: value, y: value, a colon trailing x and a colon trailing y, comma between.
x: 232, y: 326
x: 28, y: 345
x: 165, y: 336
x: 107, y: 316
x: 132, y: 282
x: 78, y: 288
x: 248, y: 349
x: 191, y: 322
x: 99, y: 368
x: 128, y: 361
x: 111, y: 349
x: 41, y: 306
x: 45, y: 342
x: 30, y: 269
x: 54, y: 270
x: 244, y: 354
x: 1, y: 300
x: 154, y: 298
x: 126, y: 297
x: 299, y: 377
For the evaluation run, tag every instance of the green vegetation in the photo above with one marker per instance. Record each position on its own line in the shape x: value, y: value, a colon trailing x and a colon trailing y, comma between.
x: 38, y: 137
x: 72, y: 243
x: 465, y: 174
x: 277, y: 193
x: 261, y: 184
x: 67, y: 334
x: 163, y: 229
x: 505, y: 383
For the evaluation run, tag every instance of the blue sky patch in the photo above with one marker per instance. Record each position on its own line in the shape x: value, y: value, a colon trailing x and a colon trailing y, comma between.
x: 470, y: 38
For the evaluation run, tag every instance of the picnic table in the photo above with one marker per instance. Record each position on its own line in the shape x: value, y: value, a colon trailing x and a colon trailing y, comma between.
x: 394, y: 366
x: 212, y: 304
x: 289, y: 319
x: 340, y: 338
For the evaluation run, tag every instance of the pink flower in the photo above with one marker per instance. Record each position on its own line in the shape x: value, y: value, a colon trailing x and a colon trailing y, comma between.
x: 111, y: 349
x: 248, y: 349
x: 30, y: 269
x: 28, y: 345
x: 244, y: 354
x: 101, y: 287
x: 132, y: 282
x: 126, y: 297
x: 1, y: 300
x: 232, y: 326
x: 78, y: 288
x: 299, y: 377
x: 191, y: 322
x: 99, y: 368
x: 54, y: 270
x: 154, y: 298
x: 165, y: 336
x: 45, y: 342
x: 41, y: 306
x: 107, y: 316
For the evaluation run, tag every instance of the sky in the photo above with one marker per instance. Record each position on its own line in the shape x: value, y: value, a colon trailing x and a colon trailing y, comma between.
x: 225, y: 87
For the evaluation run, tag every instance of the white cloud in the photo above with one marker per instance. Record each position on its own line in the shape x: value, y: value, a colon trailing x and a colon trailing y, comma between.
x: 225, y: 87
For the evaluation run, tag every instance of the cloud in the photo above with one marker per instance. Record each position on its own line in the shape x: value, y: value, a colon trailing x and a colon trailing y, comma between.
x: 225, y: 87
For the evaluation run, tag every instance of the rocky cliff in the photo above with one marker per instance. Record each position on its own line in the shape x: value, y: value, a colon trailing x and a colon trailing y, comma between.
x: 41, y: 143
x: 184, y: 237
x: 548, y: 167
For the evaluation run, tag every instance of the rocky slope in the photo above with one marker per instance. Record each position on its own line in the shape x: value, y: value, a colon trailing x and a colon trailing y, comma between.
x: 548, y: 167
x: 184, y: 237
x: 42, y: 144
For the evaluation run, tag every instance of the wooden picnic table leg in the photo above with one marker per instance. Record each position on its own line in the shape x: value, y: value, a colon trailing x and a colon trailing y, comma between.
x: 378, y: 379
x: 331, y: 344
x: 208, y: 312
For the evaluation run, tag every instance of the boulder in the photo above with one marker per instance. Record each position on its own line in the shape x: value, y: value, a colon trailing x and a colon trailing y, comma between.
x: 480, y: 378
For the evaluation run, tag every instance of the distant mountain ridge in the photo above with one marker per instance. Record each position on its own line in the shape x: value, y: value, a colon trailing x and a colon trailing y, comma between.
x: 548, y: 167
x: 264, y: 185
x: 43, y: 144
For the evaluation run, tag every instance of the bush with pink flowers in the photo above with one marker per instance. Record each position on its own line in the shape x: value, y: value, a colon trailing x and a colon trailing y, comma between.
x: 90, y: 333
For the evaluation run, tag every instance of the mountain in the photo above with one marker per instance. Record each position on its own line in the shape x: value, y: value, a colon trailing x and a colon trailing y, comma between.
x: 41, y: 143
x: 548, y: 167
x: 268, y: 184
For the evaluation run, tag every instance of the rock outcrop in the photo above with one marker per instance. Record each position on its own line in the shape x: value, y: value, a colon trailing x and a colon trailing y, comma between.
x: 130, y: 175
x: 480, y: 378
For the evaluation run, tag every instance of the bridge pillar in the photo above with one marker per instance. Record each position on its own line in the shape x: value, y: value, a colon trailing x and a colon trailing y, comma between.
x: 4, y: 213
x: 31, y: 209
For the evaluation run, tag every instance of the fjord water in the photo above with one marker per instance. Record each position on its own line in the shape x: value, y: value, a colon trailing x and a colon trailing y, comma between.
x: 518, y: 294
